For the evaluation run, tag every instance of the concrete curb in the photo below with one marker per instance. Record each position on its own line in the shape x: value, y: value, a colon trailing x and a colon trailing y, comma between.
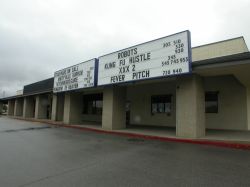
x: 166, y: 139
x: 217, y: 143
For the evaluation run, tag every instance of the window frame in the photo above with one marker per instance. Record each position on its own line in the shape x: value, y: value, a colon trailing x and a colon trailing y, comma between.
x: 159, y: 100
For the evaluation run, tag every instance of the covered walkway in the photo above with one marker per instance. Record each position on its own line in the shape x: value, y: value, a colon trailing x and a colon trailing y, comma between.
x: 228, y: 136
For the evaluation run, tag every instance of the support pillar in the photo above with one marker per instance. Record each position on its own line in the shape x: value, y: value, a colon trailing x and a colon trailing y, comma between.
x: 67, y: 105
x: 41, y: 107
x: 60, y: 106
x: 190, y: 107
x: 11, y: 107
x: 15, y: 108
x: 54, y: 108
x: 114, y: 113
x: 28, y: 107
x: 18, y: 109
x: 72, y: 108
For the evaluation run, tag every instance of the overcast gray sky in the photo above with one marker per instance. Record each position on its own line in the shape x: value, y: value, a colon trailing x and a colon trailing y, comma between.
x: 38, y: 37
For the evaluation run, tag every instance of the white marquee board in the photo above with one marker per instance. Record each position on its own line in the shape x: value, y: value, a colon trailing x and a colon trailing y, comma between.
x: 163, y: 57
x: 75, y: 77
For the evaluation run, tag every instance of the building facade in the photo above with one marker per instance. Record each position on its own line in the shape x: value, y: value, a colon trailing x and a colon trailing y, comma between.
x: 215, y: 95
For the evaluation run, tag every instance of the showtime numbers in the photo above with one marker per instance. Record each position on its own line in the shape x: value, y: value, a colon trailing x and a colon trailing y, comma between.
x: 174, y: 61
x: 178, y: 44
x: 172, y: 72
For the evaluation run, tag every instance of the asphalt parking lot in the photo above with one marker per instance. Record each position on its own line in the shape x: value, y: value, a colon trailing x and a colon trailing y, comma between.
x: 35, y: 154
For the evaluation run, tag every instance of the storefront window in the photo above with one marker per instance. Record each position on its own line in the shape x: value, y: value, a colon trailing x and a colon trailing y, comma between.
x: 211, y: 102
x: 92, y: 104
x: 161, y: 104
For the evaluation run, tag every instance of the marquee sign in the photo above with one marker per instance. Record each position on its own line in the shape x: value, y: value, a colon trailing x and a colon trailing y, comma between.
x: 163, y: 57
x: 75, y: 77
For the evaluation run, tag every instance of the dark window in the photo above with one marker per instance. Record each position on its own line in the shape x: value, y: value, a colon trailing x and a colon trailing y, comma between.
x: 161, y: 104
x: 92, y: 104
x: 211, y: 102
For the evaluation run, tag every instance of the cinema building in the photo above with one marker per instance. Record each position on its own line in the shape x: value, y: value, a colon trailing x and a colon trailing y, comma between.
x: 214, y: 94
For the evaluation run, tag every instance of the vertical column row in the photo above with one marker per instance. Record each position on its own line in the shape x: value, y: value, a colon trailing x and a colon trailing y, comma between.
x: 38, y: 107
x: 190, y: 115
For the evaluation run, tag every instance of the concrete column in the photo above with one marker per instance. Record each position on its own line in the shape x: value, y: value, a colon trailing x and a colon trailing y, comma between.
x: 28, y: 107
x: 114, y: 114
x: 41, y: 107
x: 72, y: 108
x: 54, y: 108
x: 248, y: 108
x: 49, y: 99
x: 66, y: 117
x: 60, y: 106
x: 11, y: 107
x: 190, y: 107
x: 15, y: 107
x: 18, y: 109
x: 25, y: 107
x: 1, y: 107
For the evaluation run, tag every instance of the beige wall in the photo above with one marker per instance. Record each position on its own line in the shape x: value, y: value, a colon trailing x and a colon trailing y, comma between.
x: 223, y: 48
x: 232, y: 103
x: 140, y: 103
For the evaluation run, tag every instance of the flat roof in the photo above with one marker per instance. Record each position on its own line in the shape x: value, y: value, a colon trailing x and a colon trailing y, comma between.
x: 224, y: 59
x: 221, y: 41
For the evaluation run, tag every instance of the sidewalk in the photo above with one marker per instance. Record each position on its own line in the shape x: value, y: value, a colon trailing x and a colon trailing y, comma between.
x: 220, y: 138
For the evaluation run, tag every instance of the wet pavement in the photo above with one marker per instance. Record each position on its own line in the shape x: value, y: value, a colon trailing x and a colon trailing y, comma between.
x: 36, y: 154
